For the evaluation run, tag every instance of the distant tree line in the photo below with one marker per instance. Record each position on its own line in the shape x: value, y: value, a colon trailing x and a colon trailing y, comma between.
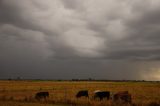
x: 89, y: 79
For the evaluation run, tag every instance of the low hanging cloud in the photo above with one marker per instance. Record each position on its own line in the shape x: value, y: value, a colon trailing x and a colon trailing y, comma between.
x: 113, y: 39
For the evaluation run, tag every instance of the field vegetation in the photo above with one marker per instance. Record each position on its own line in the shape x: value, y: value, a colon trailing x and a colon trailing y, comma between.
x: 22, y: 93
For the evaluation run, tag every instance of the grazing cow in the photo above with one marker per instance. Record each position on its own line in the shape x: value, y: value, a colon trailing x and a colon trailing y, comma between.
x: 101, y: 94
x: 41, y: 95
x: 122, y: 96
x: 82, y: 93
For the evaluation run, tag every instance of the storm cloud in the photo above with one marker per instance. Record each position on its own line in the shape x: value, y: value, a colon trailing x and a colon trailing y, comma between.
x: 65, y: 39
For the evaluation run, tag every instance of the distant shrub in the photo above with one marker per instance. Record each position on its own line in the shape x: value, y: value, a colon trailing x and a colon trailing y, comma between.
x: 25, y: 99
x: 4, y: 98
x: 11, y: 98
x: 154, y: 104
x: 3, y: 90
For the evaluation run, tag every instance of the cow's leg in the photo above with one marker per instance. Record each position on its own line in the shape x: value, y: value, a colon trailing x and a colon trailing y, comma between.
x: 46, y: 96
x: 107, y: 97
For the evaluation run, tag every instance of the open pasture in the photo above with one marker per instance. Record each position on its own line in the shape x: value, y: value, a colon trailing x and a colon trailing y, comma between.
x: 63, y: 92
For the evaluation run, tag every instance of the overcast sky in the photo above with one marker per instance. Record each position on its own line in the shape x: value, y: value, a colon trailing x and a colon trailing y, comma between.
x: 65, y: 39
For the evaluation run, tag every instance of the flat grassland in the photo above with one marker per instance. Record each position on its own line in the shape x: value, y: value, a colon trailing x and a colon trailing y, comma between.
x: 23, y: 93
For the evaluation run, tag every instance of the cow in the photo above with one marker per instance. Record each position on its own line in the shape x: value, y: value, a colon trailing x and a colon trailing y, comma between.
x: 82, y: 93
x: 101, y: 94
x: 41, y: 95
x: 122, y: 96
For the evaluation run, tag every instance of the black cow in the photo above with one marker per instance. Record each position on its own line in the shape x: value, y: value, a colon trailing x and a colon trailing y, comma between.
x: 82, y: 93
x: 101, y: 94
x: 41, y: 95
x: 122, y: 96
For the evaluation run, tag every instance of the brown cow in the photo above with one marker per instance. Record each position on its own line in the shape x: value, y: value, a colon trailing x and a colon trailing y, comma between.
x: 122, y: 96
x: 82, y: 93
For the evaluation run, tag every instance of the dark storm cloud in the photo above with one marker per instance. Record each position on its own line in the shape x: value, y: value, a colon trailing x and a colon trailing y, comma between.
x: 73, y: 4
x: 142, y: 41
x: 10, y: 13
x: 101, y: 39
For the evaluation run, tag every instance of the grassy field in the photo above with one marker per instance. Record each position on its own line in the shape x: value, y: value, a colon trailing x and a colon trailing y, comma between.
x: 63, y: 92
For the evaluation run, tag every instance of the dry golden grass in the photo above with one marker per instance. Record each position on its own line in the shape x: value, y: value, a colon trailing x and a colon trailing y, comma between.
x: 143, y: 93
x: 14, y: 103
